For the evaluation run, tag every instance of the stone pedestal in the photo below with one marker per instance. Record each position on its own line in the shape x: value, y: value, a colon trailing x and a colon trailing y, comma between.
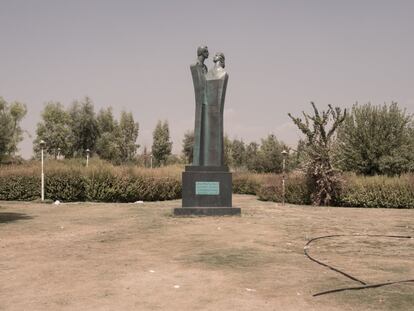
x: 207, y: 191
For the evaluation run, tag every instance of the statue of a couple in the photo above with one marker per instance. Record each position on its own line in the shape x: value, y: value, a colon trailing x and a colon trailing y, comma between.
x: 210, y: 91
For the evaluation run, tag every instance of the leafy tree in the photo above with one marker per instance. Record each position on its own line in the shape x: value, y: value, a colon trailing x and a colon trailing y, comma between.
x: 84, y: 127
x: 252, y: 156
x: 107, y: 148
x: 116, y: 141
x: 266, y: 157
x: 173, y: 159
x: 144, y: 159
x: 106, y: 121
x: 322, y: 178
x: 55, y: 130
x: 107, y: 145
x: 10, y: 131
x: 299, y: 156
x: 376, y: 140
x: 161, y: 145
x: 270, y: 156
x: 228, y: 160
x: 188, y: 146
x: 128, y: 134
x: 238, y: 153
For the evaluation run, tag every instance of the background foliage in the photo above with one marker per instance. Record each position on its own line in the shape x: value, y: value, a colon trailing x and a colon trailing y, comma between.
x: 11, y: 133
x: 376, y: 140
x: 69, y: 133
x: 319, y: 129
x: 161, y: 144
x: 70, y: 180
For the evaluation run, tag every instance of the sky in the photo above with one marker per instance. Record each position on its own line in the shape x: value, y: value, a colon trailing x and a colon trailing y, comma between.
x: 135, y: 56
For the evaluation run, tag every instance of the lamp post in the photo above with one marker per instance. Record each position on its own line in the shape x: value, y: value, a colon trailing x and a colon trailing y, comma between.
x: 87, y: 157
x: 284, y: 154
x: 42, y: 191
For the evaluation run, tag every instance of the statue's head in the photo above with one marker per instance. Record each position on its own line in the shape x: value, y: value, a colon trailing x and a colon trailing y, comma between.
x: 219, y: 57
x: 202, y: 51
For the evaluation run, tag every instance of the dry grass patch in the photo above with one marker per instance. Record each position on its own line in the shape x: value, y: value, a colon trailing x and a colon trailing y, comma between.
x: 98, y: 256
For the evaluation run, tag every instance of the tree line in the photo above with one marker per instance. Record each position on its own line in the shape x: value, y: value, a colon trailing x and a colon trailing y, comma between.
x: 368, y: 139
x: 71, y: 132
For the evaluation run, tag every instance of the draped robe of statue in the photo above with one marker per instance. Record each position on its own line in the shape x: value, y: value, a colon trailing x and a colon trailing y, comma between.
x: 198, y: 72
x: 212, y: 117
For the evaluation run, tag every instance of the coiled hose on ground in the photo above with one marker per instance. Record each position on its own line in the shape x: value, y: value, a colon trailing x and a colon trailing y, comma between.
x: 363, y: 285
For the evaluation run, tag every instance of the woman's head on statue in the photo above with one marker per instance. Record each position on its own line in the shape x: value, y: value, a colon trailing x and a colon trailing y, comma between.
x: 219, y: 57
x: 202, y: 51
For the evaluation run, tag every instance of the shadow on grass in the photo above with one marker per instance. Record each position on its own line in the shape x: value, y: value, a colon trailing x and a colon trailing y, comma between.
x: 10, y: 217
x: 232, y: 258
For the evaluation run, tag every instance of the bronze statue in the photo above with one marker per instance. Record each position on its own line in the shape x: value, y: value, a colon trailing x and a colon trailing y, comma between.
x: 207, y: 183
x: 198, y: 72
x: 210, y: 91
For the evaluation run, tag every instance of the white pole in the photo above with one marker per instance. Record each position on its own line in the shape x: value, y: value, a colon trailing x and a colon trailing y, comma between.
x: 283, y: 182
x: 87, y: 157
x: 284, y: 154
x: 151, y: 160
x: 43, y: 180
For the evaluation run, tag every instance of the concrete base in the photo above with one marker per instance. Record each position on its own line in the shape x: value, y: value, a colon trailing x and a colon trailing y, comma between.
x: 207, y: 174
x: 207, y: 191
x: 207, y: 211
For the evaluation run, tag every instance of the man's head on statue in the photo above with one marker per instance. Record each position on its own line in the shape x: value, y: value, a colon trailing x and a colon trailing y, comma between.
x: 202, y: 51
x: 219, y: 57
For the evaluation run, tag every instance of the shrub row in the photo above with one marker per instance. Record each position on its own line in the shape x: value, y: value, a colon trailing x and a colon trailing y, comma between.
x: 357, y: 191
x: 378, y: 191
x: 19, y: 187
x: 245, y: 183
x: 105, y: 183
x: 94, y: 185
x: 296, y: 192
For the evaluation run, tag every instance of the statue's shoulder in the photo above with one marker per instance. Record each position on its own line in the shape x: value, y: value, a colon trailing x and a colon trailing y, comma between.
x: 198, y: 64
x: 199, y: 67
x: 217, y: 74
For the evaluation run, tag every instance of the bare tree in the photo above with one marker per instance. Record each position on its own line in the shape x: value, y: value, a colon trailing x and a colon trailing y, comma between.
x: 323, y: 180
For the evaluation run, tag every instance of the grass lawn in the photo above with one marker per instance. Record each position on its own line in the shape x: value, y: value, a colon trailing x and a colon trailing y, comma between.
x: 96, y: 256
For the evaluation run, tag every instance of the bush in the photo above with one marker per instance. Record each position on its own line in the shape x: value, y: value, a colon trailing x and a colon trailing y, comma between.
x: 71, y: 181
x: 296, y: 190
x: 102, y: 182
x: 106, y: 188
x: 378, y: 191
x: 19, y: 188
x: 246, y: 183
x: 65, y: 186
x: 358, y: 191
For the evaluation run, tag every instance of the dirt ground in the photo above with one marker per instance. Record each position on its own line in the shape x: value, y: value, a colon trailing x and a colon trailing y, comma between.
x: 92, y: 256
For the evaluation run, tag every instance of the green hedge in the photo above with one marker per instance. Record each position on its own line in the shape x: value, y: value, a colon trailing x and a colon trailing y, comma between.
x: 245, y: 183
x: 23, y: 188
x: 105, y: 183
x: 65, y: 186
x: 378, y: 191
x: 296, y: 191
x: 357, y: 191
x: 101, y: 186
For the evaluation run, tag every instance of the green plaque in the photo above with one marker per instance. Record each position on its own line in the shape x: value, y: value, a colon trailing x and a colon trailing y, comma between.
x: 207, y: 188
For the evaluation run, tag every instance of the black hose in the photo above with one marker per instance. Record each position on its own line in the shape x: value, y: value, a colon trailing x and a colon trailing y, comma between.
x: 361, y: 287
x: 364, y: 284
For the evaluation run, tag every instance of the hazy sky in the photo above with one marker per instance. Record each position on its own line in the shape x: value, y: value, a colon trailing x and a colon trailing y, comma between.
x: 135, y: 55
